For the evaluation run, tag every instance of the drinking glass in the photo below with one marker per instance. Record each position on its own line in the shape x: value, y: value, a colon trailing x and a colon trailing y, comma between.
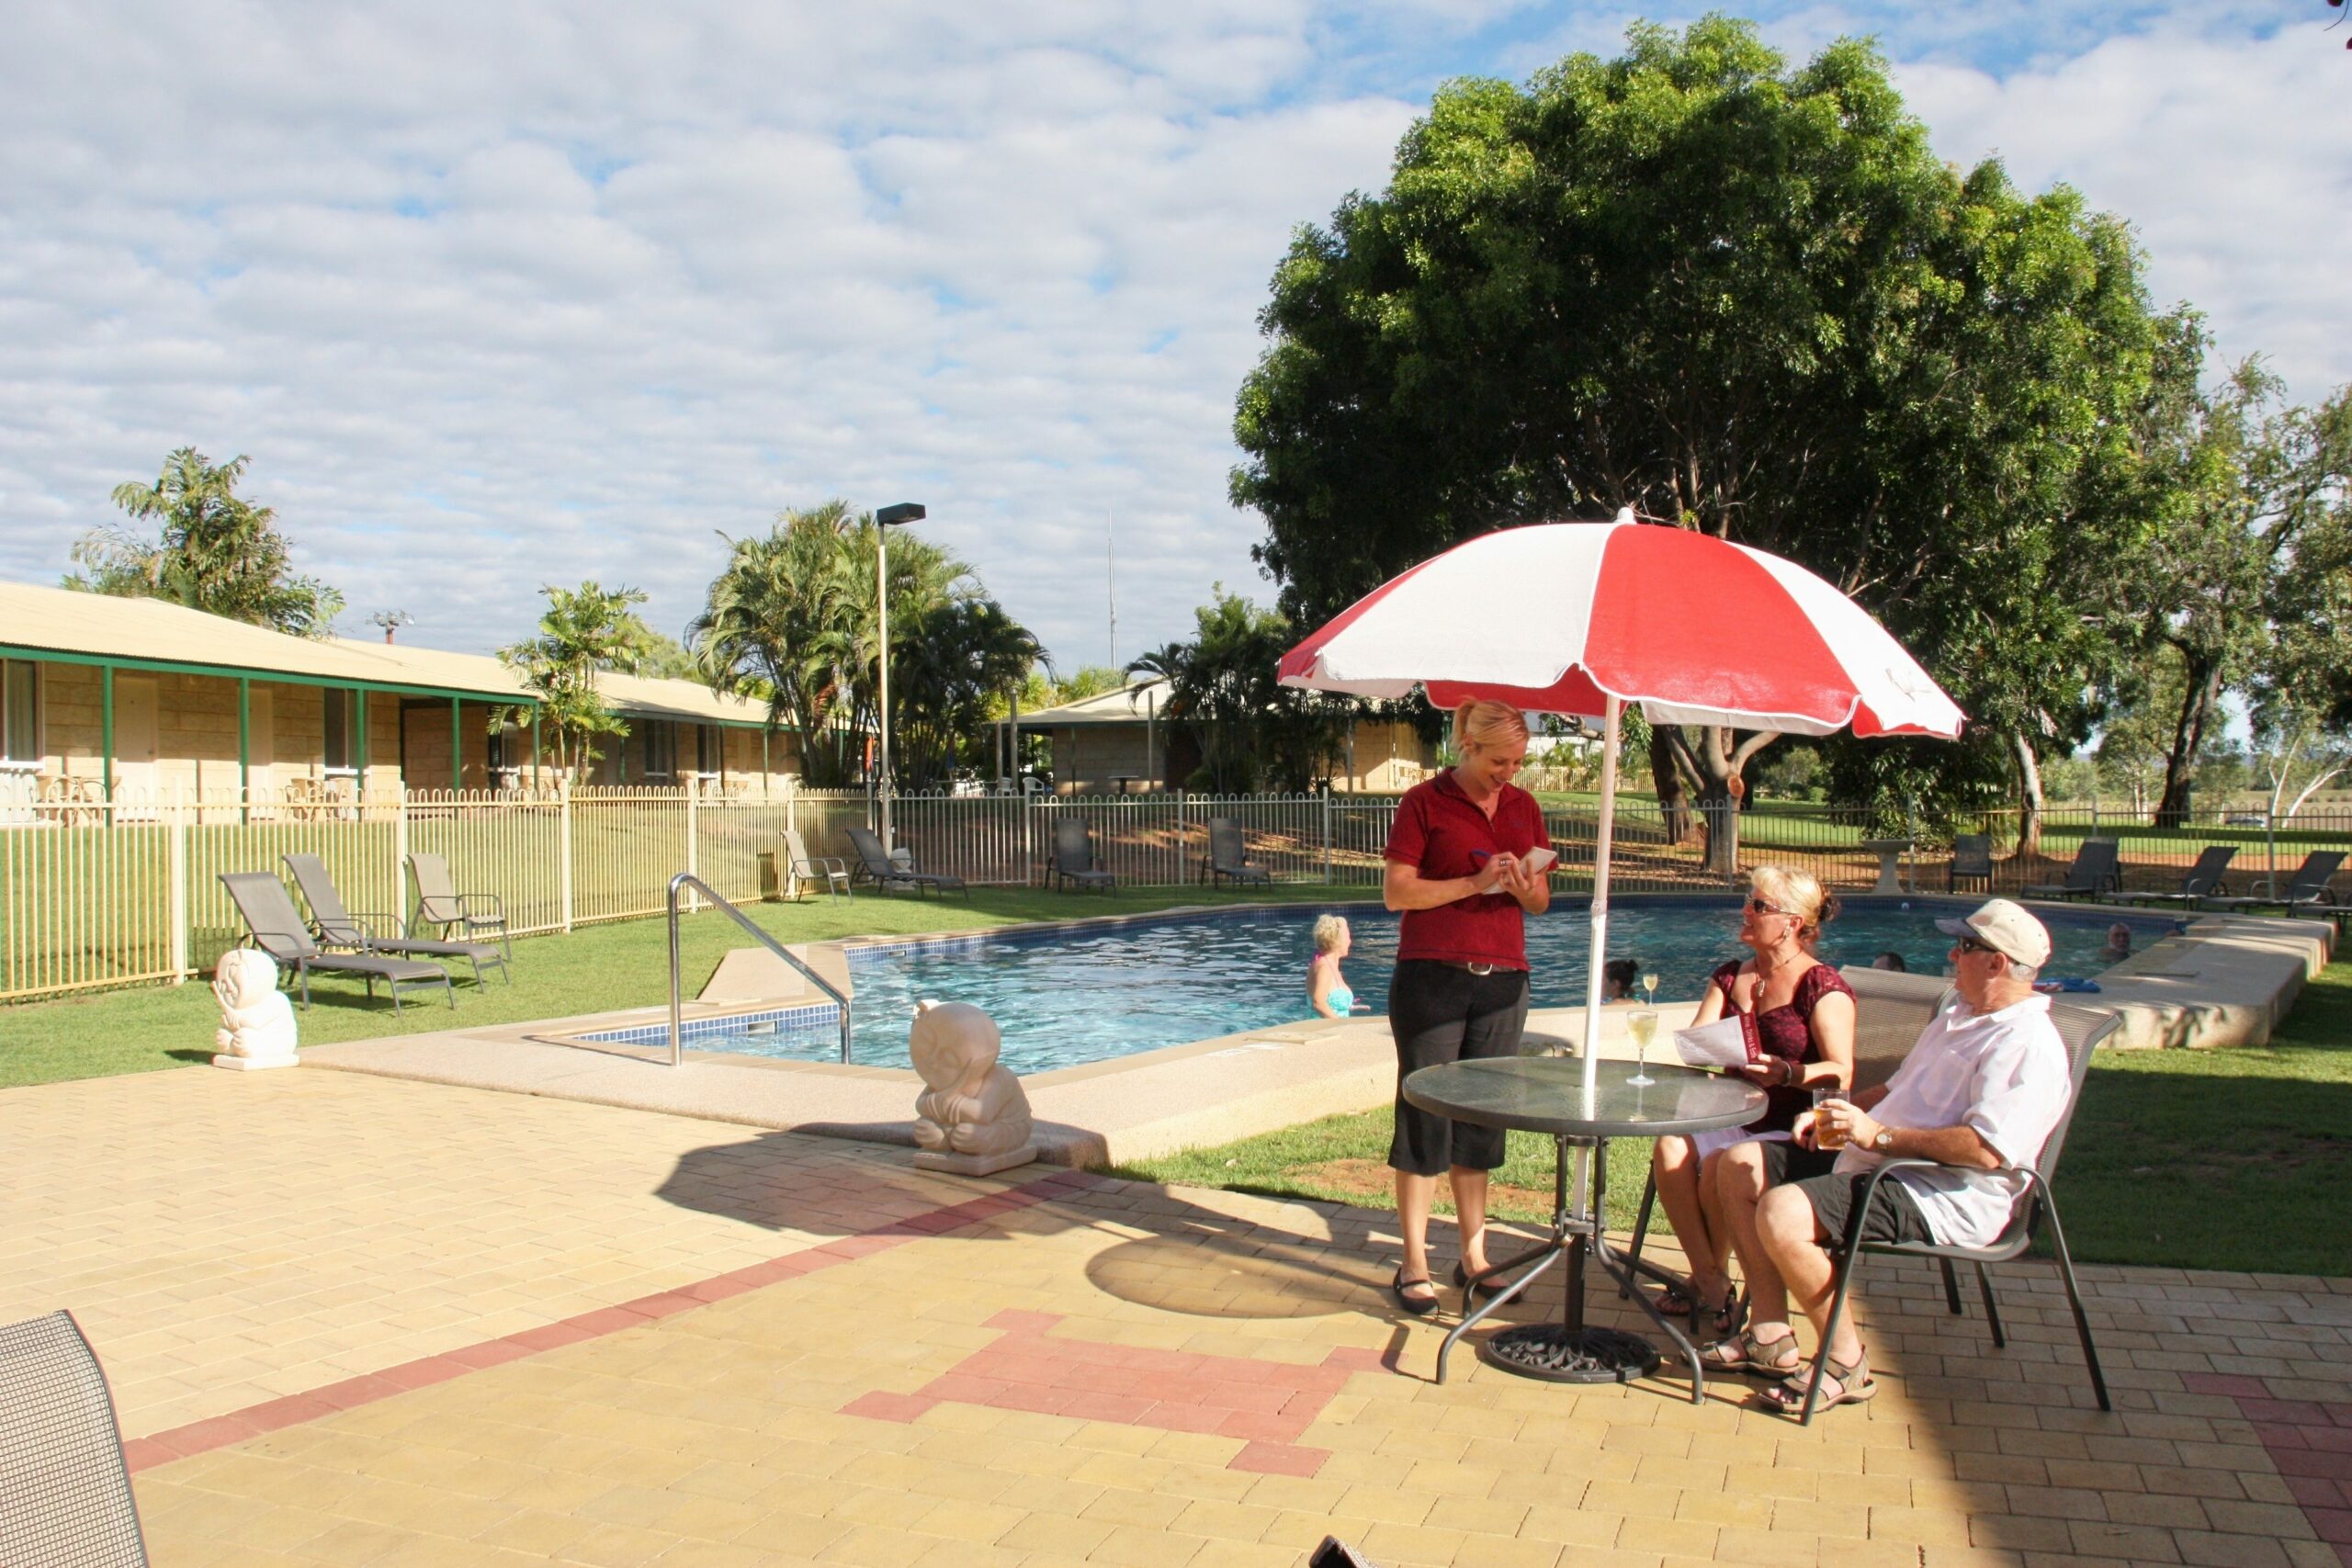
x: 1649, y: 989
x: 1642, y: 1024
x: 1823, y: 1138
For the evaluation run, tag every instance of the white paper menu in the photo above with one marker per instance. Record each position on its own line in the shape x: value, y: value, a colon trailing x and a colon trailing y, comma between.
x: 1729, y: 1041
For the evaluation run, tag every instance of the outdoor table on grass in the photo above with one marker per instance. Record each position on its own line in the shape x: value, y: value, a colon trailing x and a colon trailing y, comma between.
x: 1890, y: 852
x: 1546, y: 1094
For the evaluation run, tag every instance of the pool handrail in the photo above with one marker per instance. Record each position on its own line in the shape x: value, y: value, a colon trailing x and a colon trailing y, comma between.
x: 688, y: 879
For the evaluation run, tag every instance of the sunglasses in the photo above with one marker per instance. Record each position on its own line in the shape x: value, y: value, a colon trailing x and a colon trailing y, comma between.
x: 1761, y: 908
x: 1969, y: 944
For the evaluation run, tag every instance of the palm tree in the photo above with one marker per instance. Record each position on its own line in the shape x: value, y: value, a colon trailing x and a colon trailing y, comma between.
x: 216, y: 552
x: 585, y: 629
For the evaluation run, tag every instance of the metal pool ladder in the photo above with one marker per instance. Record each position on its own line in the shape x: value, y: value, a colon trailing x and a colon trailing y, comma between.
x: 688, y: 879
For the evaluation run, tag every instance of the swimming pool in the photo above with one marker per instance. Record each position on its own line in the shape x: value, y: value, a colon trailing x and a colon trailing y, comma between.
x: 1069, y: 995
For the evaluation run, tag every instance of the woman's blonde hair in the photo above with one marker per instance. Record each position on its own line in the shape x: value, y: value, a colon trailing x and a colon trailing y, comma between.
x: 1485, y: 723
x: 1328, y: 930
x: 1812, y: 904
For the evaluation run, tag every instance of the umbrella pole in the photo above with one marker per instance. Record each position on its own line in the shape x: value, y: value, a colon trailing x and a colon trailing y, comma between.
x: 1613, y: 714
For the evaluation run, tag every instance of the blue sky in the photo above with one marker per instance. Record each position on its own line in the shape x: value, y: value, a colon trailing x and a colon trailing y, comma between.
x: 498, y: 295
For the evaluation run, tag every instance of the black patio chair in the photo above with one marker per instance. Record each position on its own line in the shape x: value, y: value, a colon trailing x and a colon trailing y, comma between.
x: 338, y: 928
x: 2093, y: 871
x: 1073, y: 857
x: 2082, y: 1028
x: 2203, y: 880
x: 1229, y: 854
x: 887, y: 870
x: 273, y: 925
x: 1972, y: 861
x: 65, y: 1499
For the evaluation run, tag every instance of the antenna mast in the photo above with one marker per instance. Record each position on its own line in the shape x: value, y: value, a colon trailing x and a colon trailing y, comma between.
x: 1111, y: 569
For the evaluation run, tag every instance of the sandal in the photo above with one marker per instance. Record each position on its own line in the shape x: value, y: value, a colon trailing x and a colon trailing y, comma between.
x: 1839, y: 1385
x: 1674, y: 1302
x: 1419, y: 1306
x: 1732, y: 1316
x: 1744, y: 1352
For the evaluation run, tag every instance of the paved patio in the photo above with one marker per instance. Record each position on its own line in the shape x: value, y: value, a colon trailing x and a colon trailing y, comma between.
x: 358, y: 1321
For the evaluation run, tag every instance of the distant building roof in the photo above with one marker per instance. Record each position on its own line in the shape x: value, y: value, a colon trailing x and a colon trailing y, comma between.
x: 1135, y: 704
x: 101, y: 628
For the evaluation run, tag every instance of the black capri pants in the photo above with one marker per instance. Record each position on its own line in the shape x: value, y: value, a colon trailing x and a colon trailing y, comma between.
x: 1441, y: 1013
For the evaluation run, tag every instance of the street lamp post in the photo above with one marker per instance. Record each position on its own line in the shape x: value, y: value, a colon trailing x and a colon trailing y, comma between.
x: 889, y: 517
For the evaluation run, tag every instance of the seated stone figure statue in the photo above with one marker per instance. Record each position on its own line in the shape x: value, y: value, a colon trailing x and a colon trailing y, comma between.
x: 256, y: 1023
x: 972, y: 1118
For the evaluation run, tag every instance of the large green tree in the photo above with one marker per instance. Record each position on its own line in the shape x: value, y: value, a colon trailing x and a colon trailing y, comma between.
x: 213, y: 550
x: 793, y: 614
x: 1736, y: 296
x: 1221, y: 688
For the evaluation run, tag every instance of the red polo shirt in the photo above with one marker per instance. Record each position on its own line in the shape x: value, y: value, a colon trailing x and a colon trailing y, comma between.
x: 1441, y: 833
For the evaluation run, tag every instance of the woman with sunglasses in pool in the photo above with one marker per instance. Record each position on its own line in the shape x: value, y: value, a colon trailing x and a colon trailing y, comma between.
x: 1804, y: 1024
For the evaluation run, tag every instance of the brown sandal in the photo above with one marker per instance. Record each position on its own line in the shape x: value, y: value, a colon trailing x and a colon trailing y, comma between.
x: 1744, y: 1352
x: 1841, y: 1384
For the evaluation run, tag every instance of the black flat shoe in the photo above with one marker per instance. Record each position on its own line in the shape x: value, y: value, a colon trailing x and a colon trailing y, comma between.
x: 1419, y: 1306
x: 1490, y: 1289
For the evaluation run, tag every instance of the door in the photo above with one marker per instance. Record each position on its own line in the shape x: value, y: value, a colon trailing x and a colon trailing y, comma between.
x: 261, y: 736
x: 135, y: 736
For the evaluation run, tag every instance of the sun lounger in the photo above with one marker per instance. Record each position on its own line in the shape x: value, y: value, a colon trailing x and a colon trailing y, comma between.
x: 440, y: 905
x: 885, y: 870
x: 2307, y: 891
x: 2202, y: 881
x: 2093, y: 872
x: 276, y: 927
x: 1229, y: 854
x: 336, y: 927
x: 1073, y: 857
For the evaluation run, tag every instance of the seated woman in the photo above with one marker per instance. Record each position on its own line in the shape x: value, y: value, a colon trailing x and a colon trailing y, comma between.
x: 1326, y: 988
x: 1804, y: 1022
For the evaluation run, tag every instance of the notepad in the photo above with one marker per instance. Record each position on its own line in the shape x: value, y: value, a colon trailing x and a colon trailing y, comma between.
x: 1540, y: 861
x: 1729, y: 1041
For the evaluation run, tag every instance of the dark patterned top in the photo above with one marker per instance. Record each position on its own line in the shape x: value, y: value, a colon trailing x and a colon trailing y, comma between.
x: 1786, y: 1032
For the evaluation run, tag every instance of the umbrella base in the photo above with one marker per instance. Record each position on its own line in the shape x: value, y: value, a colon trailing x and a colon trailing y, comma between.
x: 1558, y: 1354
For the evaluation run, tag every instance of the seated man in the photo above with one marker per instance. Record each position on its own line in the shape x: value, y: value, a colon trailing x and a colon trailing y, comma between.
x: 1980, y: 1093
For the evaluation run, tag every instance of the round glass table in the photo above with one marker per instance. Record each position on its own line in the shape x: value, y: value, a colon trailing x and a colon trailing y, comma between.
x: 1546, y: 1094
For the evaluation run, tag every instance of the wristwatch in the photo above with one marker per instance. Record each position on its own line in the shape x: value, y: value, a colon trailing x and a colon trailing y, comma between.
x: 1884, y: 1141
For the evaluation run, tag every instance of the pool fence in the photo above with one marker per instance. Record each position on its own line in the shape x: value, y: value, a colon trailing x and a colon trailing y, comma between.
x: 99, y: 890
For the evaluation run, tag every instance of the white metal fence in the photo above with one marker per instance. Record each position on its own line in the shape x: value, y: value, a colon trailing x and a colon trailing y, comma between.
x: 105, y: 892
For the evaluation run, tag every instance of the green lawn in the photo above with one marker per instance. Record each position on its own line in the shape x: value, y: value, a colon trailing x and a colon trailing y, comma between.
x: 2238, y: 1158
x: 622, y: 964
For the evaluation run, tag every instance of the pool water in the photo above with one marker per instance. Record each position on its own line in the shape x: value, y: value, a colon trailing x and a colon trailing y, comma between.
x: 1067, y: 995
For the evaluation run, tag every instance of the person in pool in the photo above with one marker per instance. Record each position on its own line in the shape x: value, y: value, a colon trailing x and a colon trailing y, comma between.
x: 1326, y: 990
x: 1617, y: 978
x: 2118, y: 943
x: 1805, y: 1022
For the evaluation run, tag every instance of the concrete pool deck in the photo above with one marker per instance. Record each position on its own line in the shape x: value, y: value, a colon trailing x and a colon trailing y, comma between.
x: 2227, y: 981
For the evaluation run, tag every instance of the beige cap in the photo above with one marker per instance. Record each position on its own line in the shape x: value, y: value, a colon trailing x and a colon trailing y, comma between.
x: 2006, y: 928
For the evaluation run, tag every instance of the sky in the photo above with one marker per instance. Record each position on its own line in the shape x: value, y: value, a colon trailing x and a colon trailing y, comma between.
x: 497, y: 295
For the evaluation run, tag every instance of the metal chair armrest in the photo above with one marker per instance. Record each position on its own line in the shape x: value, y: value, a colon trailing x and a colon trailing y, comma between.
x: 466, y: 903
x: 1852, y: 1239
x: 375, y: 925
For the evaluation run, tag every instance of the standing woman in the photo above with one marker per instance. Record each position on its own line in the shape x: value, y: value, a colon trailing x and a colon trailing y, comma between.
x: 1455, y: 872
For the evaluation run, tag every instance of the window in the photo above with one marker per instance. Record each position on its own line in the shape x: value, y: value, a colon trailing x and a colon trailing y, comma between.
x: 342, y: 757
x: 661, y: 748
x: 710, y: 750
x: 19, y: 713
x: 508, y: 750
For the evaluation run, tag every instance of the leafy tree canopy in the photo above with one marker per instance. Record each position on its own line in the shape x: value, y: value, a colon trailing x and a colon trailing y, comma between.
x: 214, y: 551
x: 584, y: 630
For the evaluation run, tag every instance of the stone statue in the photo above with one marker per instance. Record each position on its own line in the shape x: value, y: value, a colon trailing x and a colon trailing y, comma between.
x: 256, y: 1021
x: 973, y: 1119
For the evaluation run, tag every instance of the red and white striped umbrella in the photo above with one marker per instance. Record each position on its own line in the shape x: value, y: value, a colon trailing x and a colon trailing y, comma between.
x: 1585, y: 617
x: 1562, y: 616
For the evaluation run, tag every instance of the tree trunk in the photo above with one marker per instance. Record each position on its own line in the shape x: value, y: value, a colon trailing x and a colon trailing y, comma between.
x: 1673, y: 794
x: 2203, y: 690
x: 2029, y: 793
x: 1718, y: 766
x: 1719, y: 812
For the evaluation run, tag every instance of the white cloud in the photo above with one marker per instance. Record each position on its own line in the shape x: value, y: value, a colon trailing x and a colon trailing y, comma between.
x: 503, y: 295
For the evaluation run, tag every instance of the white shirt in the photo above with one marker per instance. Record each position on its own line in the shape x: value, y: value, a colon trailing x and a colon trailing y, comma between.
x: 2003, y: 1073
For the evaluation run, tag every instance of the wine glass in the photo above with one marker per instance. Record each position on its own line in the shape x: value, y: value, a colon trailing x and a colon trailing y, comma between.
x: 1642, y: 1024
x: 1650, y: 988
